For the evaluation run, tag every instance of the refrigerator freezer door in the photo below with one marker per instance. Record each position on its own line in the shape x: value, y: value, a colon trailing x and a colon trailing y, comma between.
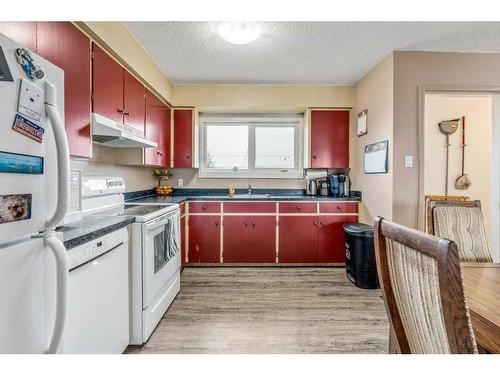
x: 28, y: 290
x: 34, y: 196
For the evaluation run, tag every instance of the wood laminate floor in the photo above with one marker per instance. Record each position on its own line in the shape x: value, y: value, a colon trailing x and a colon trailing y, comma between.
x: 270, y: 310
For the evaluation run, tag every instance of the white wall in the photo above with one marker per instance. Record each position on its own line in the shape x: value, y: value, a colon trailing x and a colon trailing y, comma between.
x: 478, y: 154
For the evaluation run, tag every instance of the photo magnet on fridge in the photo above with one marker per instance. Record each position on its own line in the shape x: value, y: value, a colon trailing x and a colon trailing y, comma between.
x: 15, y: 207
x: 29, y: 129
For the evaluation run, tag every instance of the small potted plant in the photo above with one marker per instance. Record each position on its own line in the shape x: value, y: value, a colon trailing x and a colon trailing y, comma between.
x: 163, y: 175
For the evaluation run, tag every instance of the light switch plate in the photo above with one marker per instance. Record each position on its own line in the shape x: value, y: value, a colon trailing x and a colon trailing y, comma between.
x: 180, y: 182
x: 30, y: 100
x: 408, y: 161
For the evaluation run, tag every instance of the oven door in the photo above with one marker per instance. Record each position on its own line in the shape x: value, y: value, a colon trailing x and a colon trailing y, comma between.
x: 161, y: 256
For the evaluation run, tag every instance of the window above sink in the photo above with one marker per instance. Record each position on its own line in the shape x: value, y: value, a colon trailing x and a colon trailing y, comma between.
x: 251, y: 146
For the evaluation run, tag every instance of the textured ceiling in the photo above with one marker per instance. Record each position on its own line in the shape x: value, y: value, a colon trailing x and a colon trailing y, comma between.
x: 300, y: 52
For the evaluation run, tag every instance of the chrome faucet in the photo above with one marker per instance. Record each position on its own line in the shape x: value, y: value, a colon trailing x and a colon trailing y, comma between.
x: 249, y: 189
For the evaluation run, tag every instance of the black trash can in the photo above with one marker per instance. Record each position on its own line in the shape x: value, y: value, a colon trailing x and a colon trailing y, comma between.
x: 360, y: 263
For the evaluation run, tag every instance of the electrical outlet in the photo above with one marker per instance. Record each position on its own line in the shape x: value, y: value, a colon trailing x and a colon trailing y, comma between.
x: 408, y: 161
x: 180, y: 182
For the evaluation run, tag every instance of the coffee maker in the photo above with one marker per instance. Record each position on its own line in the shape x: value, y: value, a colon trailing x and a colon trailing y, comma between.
x: 312, y: 180
x: 340, y: 185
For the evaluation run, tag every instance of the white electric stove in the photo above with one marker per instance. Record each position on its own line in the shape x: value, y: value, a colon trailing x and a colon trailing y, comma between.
x: 155, y: 250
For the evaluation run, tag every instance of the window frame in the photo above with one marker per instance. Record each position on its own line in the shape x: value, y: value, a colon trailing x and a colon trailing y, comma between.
x: 253, y: 121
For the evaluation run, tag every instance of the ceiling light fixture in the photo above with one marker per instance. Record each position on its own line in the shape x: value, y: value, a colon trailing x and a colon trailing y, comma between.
x: 239, y: 32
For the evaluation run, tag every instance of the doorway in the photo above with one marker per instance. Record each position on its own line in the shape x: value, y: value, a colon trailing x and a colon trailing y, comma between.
x: 481, y: 111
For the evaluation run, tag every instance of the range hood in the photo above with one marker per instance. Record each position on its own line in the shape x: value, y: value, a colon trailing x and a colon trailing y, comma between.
x: 113, y: 134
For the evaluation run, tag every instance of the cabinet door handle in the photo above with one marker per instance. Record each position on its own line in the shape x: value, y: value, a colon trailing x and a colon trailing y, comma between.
x: 253, y: 224
x: 246, y: 223
x: 204, y: 207
x: 314, y: 157
x: 297, y: 207
x: 126, y: 114
x: 188, y: 156
x: 338, y: 207
x: 158, y: 153
x: 216, y: 223
x: 119, y: 110
x: 314, y: 223
x: 321, y: 223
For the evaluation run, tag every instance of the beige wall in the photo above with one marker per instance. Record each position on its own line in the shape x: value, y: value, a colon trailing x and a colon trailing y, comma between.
x: 373, y: 92
x: 478, y: 119
x: 103, y: 163
x: 411, y: 70
x: 254, y: 98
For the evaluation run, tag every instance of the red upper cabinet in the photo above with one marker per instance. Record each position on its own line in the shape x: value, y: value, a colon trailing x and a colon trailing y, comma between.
x: 23, y: 33
x: 67, y: 47
x: 204, y: 239
x: 298, y: 240
x: 331, y: 237
x: 133, y: 101
x: 157, y: 129
x: 183, y: 137
x: 107, y: 83
x: 329, y: 138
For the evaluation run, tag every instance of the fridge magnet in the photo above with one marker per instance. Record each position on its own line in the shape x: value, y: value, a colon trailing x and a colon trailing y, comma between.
x: 362, y: 123
x: 15, y: 207
x: 29, y: 129
x: 376, y: 157
x: 28, y: 64
x: 19, y: 163
x: 30, y: 101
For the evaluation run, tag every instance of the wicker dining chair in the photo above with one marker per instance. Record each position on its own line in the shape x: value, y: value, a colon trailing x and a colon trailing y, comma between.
x: 462, y: 222
x: 423, y: 292
x: 439, y: 198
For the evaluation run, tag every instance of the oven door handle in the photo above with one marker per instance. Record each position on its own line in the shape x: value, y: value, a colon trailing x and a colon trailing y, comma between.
x: 159, y: 222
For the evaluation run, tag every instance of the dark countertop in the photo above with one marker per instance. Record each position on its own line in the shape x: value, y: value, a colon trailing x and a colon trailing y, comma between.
x: 92, y: 227
x: 186, y: 198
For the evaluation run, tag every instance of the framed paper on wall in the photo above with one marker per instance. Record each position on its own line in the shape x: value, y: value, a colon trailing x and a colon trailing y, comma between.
x: 362, y: 123
x: 376, y: 157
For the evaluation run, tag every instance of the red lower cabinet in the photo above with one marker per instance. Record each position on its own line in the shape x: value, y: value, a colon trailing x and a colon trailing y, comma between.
x: 331, y: 238
x: 236, y: 243
x: 298, y: 239
x: 262, y: 239
x: 249, y: 239
x: 183, y: 241
x: 204, y: 239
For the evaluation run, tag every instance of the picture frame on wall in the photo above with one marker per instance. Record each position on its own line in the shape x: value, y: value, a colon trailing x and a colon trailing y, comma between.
x: 362, y: 123
x: 376, y: 157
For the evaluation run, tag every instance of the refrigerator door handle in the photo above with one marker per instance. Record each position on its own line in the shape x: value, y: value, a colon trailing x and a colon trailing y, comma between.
x: 61, y: 256
x: 62, y: 152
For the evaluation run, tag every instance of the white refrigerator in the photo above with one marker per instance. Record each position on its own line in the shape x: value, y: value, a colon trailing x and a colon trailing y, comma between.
x: 34, y: 184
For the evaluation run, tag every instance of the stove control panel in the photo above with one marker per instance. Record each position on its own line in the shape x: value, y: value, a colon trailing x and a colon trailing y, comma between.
x: 91, y: 251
